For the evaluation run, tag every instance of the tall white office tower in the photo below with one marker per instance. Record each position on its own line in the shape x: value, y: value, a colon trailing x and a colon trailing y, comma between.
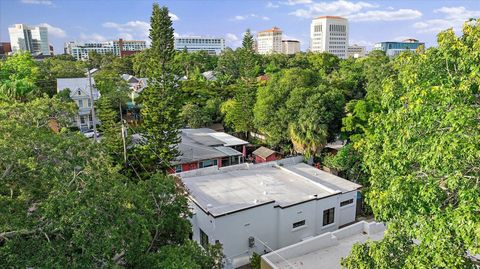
x: 330, y: 34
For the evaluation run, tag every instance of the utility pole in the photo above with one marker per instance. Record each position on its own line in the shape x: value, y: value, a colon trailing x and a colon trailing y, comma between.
x: 92, y: 110
x: 123, y: 137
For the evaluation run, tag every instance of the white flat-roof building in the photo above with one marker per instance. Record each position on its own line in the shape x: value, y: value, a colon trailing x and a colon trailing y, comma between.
x: 323, y: 251
x: 269, y: 41
x: 356, y: 51
x: 329, y: 34
x: 290, y: 46
x: 211, y: 45
x: 263, y: 207
x: 119, y: 47
x: 33, y: 39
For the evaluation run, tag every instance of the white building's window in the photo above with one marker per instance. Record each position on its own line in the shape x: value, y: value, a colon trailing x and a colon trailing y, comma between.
x: 89, y: 103
x: 346, y: 202
x: 328, y: 216
x: 80, y: 103
x: 298, y: 224
x: 203, y: 239
x: 79, y: 92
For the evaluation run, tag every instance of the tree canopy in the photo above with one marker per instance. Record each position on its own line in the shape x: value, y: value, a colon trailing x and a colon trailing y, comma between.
x: 421, y: 149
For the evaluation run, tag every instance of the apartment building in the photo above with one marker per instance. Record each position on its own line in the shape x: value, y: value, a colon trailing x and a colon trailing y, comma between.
x: 355, y: 51
x: 290, y: 46
x: 269, y: 41
x: 211, y: 45
x: 329, y: 34
x: 119, y: 47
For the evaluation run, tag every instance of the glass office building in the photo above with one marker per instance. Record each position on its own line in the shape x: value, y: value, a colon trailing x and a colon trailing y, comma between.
x: 395, y: 48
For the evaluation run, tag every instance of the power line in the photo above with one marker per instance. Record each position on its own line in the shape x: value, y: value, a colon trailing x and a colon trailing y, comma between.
x: 285, y: 260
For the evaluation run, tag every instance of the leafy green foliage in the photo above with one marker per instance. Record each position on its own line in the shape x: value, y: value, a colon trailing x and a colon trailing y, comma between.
x: 421, y: 150
x: 18, y: 75
x: 63, y: 204
x: 255, y: 261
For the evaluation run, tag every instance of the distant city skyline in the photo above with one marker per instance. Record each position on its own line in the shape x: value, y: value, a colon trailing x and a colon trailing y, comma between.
x: 369, y: 21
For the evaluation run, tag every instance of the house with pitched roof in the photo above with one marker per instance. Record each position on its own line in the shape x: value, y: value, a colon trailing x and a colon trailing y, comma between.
x: 80, y: 94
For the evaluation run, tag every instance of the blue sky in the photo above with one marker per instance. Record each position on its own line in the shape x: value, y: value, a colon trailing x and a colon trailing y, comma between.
x: 370, y: 21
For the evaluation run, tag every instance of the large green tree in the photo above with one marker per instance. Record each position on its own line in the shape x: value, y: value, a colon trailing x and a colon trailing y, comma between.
x: 422, y: 151
x: 161, y: 104
x: 18, y: 77
x: 63, y: 204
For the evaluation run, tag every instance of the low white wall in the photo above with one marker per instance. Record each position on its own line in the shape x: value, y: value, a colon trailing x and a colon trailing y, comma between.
x: 320, y: 242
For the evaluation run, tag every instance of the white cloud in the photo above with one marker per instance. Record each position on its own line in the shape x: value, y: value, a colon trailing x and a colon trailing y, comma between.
x: 247, y: 16
x: 231, y: 37
x: 173, y: 17
x: 232, y: 40
x: 239, y: 18
x: 272, y: 5
x: 355, y: 11
x: 296, y: 2
x: 134, y: 28
x: 125, y: 36
x: 364, y: 43
x: 340, y: 8
x: 38, y: 2
x: 453, y: 17
x: 54, y: 31
x: 92, y: 37
x: 386, y: 15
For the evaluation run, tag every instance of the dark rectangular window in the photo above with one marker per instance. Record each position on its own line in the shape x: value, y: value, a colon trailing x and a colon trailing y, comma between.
x: 328, y: 216
x: 208, y: 163
x: 299, y: 223
x: 346, y: 202
x: 203, y: 239
x: 178, y: 168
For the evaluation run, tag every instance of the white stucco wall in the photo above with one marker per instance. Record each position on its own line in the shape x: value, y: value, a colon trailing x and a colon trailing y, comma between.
x: 272, y: 227
x: 347, y: 213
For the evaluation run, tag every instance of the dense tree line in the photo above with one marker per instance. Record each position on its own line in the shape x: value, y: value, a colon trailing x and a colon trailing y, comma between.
x: 68, y: 203
x: 411, y: 123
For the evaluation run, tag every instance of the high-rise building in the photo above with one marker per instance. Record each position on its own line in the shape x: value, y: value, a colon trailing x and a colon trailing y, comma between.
x: 329, y: 34
x: 394, y: 48
x: 269, y: 41
x: 290, y: 46
x: 33, y: 39
x: 197, y: 43
x: 356, y: 51
x: 119, y: 47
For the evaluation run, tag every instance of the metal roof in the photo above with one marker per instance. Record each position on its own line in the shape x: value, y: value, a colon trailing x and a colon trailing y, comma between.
x: 204, y: 144
x: 263, y: 152
x: 75, y: 84
x: 229, y: 151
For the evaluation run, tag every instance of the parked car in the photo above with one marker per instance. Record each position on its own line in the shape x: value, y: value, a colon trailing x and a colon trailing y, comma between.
x: 90, y: 133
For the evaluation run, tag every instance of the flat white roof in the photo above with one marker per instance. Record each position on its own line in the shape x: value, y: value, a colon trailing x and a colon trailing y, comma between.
x: 325, y: 250
x: 226, y: 190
